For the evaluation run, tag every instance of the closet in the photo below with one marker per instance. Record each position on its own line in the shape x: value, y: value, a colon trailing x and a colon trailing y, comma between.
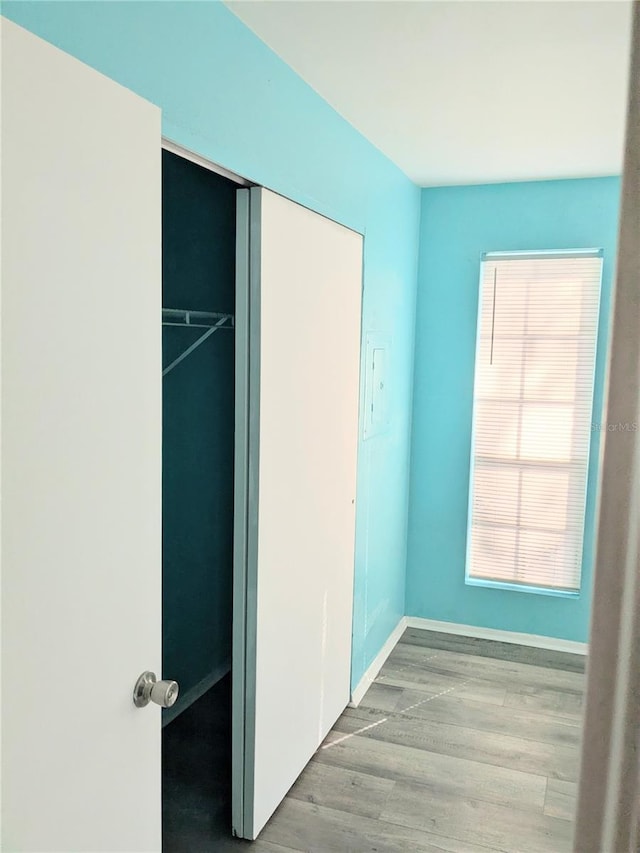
x: 251, y: 278
x: 198, y: 354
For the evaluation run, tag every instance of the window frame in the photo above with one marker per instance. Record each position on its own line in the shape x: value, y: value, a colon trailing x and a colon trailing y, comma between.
x: 535, y: 589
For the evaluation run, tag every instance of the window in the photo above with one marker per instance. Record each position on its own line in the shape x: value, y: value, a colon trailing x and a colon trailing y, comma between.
x: 532, y: 404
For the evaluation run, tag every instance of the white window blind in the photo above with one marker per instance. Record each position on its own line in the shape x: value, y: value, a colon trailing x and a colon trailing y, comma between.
x: 532, y: 408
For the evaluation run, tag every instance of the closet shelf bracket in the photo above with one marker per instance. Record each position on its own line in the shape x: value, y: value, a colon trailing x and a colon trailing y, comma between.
x: 210, y: 320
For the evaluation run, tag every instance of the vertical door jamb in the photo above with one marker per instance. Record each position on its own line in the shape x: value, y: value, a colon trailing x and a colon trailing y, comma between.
x: 608, y: 813
x: 247, y: 448
x: 240, y: 508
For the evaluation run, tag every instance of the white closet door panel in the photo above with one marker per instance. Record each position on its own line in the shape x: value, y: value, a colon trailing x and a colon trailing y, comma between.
x: 305, y: 310
x: 81, y: 455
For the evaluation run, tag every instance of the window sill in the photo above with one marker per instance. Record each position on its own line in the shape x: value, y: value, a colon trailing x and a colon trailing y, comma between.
x: 516, y: 587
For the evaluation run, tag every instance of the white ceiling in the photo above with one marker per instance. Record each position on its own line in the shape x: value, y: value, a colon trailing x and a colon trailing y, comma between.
x: 465, y: 91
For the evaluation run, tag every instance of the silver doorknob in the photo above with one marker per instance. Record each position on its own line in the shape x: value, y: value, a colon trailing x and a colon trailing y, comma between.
x: 149, y: 689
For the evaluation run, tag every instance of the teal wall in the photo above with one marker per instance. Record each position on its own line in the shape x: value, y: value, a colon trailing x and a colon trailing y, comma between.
x: 458, y: 224
x: 227, y: 96
x: 198, y: 272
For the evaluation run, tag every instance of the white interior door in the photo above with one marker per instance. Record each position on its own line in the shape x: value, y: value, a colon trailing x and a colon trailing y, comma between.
x: 297, y: 400
x: 81, y: 455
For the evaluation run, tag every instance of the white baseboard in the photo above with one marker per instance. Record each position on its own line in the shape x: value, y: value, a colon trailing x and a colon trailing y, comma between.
x: 534, y: 640
x: 377, y: 663
x: 195, y: 693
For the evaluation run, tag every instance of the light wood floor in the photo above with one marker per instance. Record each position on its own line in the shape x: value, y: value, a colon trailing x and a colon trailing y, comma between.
x: 460, y: 745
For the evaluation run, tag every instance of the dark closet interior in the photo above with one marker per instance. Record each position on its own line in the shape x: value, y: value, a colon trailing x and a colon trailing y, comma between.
x: 198, y: 244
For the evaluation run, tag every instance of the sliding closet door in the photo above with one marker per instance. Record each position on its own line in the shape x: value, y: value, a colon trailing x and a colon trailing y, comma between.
x: 298, y: 340
x: 81, y: 453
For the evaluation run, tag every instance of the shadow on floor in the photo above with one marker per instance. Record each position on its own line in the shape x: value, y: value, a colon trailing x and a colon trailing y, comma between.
x: 196, y: 777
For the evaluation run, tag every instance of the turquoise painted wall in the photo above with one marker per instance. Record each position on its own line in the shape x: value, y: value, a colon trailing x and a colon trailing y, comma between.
x: 457, y: 225
x: 227, y: 96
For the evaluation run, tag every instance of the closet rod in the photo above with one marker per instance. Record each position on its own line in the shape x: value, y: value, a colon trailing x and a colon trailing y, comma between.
x: 209, y: 320
x: 197, y: 319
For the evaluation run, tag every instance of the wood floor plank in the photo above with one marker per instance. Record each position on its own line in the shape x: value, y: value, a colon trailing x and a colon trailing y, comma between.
x: 537, y: 758
x: 342, y: 788
x: 442, y: 844
x: 497, y: 827
x: 233, y: 845
x: 560, y: 800
x: 316, y: 829
x: 560, y: 703
x: 436, y: 772
x: 502, y: 671
x: 416, y: 677
x: 382, y: 696
x: 457, y: 710
x: 491, y: 648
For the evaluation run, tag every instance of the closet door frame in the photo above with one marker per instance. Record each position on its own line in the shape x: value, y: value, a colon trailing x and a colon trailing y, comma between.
x: 245, y: 504
x: 192, y: 157
x: 240, y: 508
